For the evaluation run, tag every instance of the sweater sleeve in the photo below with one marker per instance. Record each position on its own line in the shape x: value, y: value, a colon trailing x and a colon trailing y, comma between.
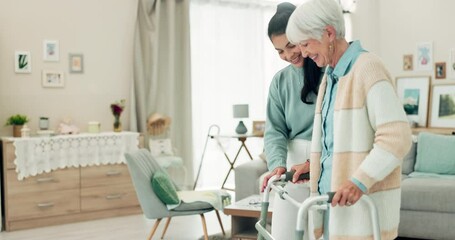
x: 276, y: 133
x: 392, y: 138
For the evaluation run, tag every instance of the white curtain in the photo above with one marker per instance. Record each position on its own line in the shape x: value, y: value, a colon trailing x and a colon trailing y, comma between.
x: 233, y: 62
x: 162, y: 71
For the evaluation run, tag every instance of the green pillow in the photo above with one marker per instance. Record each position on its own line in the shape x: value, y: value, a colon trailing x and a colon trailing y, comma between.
x: 435, y: 154
x: 164, y: 188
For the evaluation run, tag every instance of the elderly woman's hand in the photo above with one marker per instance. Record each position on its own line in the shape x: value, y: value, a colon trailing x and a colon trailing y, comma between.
x: 348, y: 194
x: 276, y: 172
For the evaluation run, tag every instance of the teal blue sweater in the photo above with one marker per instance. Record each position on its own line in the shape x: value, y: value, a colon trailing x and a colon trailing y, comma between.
x: 288, y: 117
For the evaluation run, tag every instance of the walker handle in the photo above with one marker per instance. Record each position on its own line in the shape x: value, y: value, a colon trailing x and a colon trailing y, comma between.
x: 305, y: 176
x: 330, y: 194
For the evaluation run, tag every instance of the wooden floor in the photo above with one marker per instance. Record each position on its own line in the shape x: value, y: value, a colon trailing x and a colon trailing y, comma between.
x: 123, y: 228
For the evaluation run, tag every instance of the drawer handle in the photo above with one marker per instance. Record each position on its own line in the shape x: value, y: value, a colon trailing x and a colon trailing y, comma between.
x: 113, y: 173
x: 113, y: 196
x: 45, y: 205
x: 45, y: 180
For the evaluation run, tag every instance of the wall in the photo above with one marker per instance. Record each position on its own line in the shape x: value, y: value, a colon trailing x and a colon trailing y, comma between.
x: 101, y: 30
x: 392, y: 28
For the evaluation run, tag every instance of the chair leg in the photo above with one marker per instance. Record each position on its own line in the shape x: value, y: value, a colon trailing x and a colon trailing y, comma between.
x: 204, y: 227
x: 221, y: 223
x: 165, y: 227
x: 155, y: 226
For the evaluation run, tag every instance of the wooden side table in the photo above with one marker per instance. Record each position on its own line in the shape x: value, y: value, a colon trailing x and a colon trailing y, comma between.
x: 244, y: 215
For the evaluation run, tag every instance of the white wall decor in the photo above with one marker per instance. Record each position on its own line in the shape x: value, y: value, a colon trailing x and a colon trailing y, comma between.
x: 51, y: 50
x: 451, y: 64
x: 53, y: 79
x: 424, y: 59
x: 22, y: 62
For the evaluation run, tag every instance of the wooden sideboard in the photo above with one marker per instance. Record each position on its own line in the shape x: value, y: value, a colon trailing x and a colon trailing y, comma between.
x: 65, y: 195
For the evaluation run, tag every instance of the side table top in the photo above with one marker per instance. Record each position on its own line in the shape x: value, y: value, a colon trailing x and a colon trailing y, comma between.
x: 248, y: 207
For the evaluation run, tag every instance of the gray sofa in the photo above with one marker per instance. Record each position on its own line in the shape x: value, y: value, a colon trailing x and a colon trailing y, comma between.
x: 427, y: 201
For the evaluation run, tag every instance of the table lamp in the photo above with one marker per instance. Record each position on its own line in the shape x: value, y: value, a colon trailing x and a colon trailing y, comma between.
x: 240, y: 111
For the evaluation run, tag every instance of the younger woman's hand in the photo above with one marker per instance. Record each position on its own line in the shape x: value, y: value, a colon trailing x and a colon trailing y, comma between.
x: 276, y: 172
x: 299, y: 170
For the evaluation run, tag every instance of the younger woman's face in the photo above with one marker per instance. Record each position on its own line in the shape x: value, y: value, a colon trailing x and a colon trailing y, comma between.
x: 287, y: 51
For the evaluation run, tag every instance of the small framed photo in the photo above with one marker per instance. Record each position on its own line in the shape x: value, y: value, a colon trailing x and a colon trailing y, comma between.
x: 440, y: 70
x: 451, y: 66
x: 424, y: 53
x: 407, y: 62
x: 443, y: 106
x: 76, y: 63
x: 52, y: 79
x: 22, y: 62
x: 414, y: 94
x: 258, y: 128
x: 51, y: 50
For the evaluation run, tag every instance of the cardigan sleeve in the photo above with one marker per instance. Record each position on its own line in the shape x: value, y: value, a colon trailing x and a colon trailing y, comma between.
x: 392, y: 133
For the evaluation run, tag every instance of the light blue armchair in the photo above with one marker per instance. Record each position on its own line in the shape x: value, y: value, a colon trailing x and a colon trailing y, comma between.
x: 142, y: 166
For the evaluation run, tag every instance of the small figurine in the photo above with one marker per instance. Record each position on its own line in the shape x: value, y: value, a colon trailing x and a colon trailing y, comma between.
x: 65, y: 127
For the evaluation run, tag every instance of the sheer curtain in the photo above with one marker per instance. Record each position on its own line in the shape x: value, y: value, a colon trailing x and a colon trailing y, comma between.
x: 233, y: 62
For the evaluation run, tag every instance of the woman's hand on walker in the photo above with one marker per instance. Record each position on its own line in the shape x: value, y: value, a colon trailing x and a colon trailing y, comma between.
x: 348, y: 194
x: 299, y: 170
x: 276, y: 172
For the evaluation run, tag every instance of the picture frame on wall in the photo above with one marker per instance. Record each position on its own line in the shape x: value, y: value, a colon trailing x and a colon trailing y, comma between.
x: 22, y: 62
x: 52, y: 79
x: 424, y: 56
x: 51, y: 50
x: 407, y: 62
x: 258, y: 128
x: 413, y: 91
x: 76, y: 63
x: 451, y: 65
x: 443, y: 106
x: 440, y: 70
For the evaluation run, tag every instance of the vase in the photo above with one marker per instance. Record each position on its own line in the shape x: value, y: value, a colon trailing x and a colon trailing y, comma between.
x: 117, y: 124
x: 17, y: 130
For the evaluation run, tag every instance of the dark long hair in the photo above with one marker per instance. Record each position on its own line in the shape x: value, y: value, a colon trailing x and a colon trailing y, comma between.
x: 312, y: 73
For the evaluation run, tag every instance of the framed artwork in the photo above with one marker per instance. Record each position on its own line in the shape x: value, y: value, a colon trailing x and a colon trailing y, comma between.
x: 258, y: 128
x: 52, y: 79
x: 51, y: 50
x: 443, y: 106
x: 424, y: 59
x: 407, y: 62
x: 22, y: 62
x: 413, y: 92
x: 76, y: 62
x: 440, y: 70
x: 452, y: 63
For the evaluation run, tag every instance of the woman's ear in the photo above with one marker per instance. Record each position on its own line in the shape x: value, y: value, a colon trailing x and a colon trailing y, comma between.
x: 331, y: 32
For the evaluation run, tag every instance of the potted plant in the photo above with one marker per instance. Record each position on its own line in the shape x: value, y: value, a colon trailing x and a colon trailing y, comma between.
x: 17, y: 121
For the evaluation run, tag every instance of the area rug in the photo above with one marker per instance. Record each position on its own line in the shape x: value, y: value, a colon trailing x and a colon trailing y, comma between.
x: 219, y: 236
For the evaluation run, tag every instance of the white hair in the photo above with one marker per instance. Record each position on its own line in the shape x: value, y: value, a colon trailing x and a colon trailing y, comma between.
x: 309, y: 20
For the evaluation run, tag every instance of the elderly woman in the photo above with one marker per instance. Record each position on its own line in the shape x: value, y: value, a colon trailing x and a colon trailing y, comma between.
x: 360, y: 132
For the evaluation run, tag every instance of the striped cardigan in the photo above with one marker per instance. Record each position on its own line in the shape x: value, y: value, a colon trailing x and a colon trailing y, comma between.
x: 371, y: 137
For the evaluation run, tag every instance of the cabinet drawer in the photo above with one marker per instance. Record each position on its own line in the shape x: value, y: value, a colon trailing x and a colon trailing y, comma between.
x: 105, y: 175
x: 56, y: 180
x: 99, y: 198
x: 43, y: 204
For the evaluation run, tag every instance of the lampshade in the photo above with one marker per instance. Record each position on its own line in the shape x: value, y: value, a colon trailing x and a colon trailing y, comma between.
x: 240, y: 110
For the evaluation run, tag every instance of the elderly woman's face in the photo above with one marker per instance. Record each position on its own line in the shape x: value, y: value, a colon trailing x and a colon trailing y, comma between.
x: 287, y: 51
x: 317, y: 50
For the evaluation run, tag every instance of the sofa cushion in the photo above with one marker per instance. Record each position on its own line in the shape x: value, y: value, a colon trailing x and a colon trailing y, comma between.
x: 435, y: 154
x: 410, y: 159
x: 428, y: 194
